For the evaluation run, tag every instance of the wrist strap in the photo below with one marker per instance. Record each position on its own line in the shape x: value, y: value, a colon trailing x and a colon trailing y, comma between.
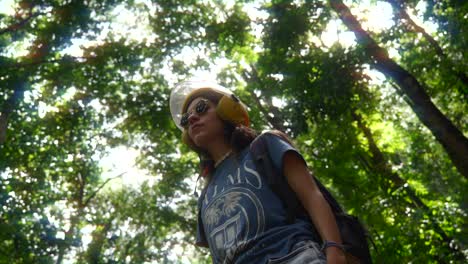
x: 326, y: 244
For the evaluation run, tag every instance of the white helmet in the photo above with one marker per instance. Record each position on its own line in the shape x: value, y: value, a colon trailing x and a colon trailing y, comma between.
x: 229, y: 108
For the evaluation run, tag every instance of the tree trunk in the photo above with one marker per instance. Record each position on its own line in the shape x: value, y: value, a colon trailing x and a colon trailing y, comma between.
x: 453, y: 141
x: 93, y: 254
x: 380, y: 165
x: 8, y: 107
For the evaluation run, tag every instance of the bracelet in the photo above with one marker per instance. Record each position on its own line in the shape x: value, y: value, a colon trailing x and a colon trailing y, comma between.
x: 326, y: 244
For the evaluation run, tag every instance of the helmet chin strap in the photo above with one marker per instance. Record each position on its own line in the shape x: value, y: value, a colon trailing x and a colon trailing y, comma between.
x: 225, y: 156
x: 206, y: 170
x: 195, y: 192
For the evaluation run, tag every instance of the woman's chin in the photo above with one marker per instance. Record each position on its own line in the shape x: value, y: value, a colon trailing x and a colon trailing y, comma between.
x: 200, y: 140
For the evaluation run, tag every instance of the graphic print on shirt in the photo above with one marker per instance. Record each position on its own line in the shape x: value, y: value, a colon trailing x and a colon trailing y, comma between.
x: 229, y: 219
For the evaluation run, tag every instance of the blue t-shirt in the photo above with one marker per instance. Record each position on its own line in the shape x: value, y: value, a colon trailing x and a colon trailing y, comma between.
x: 241, y: 217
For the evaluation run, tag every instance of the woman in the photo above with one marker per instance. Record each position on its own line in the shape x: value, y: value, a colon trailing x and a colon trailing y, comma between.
x: 240, y: 218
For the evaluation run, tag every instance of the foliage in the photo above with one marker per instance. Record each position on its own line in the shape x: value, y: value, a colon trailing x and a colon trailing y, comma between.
x: 62, y: 112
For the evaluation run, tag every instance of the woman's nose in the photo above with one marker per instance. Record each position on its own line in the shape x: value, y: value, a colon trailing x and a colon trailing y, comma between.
x: 193, y: 117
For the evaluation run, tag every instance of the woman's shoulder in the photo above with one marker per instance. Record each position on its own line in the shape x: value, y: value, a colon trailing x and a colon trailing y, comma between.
x: 273, y: 142
x: 275, y: 135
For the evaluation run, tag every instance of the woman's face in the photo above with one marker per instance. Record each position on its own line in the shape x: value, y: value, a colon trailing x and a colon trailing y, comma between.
x: 206, y: 127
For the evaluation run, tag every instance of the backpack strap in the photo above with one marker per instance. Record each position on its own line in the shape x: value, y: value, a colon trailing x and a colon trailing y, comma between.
x: 335, y: 206
x: 274, y: 177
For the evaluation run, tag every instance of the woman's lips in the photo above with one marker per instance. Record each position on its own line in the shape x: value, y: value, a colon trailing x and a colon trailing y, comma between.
x: 196, y: 127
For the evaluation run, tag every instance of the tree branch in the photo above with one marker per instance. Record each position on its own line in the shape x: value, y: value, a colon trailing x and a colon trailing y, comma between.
x: 37, y: 62
x: 399, y: 8
x: 100, y: 187
x: 274, y: 120
x: 21, y: 23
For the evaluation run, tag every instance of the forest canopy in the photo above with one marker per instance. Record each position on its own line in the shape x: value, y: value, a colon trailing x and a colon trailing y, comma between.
x: 92, y: 168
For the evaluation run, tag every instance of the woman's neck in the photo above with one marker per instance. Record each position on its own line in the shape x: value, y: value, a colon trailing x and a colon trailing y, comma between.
x: 219, y: 150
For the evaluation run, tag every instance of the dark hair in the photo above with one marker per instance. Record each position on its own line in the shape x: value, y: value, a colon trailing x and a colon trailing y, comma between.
x: 239, y: 137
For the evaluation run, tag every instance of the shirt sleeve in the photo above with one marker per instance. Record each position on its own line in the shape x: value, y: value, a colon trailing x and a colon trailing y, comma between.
x: 277, y: 148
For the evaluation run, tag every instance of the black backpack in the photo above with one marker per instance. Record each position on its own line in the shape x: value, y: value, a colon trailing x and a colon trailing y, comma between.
x: 353, y: 234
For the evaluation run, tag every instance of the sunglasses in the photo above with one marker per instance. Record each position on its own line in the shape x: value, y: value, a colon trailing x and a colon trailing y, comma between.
x: 200, y: 108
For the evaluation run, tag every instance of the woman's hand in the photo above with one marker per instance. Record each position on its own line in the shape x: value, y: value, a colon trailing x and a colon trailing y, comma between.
x: 335, y: 255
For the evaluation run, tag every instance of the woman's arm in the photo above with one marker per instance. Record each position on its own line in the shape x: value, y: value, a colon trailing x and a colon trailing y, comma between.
x: 302, y: 183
